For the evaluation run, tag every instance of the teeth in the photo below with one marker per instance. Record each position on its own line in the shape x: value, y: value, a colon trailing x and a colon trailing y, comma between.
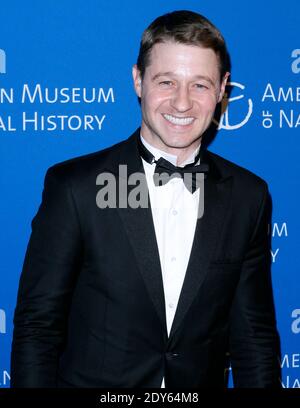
x: 178, y: 121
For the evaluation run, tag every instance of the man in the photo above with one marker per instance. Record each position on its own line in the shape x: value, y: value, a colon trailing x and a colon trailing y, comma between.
x: 156, y: 295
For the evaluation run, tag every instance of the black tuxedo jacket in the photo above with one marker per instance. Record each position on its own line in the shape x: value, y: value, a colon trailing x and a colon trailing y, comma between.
x: 91, y: 310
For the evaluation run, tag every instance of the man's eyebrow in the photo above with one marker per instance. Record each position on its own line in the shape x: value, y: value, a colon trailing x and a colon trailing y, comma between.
x: 170, y: 73
x: 160, y: 74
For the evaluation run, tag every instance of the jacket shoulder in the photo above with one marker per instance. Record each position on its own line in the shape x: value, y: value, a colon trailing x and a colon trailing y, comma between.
x: 83, y: 166
x: 244, y: 179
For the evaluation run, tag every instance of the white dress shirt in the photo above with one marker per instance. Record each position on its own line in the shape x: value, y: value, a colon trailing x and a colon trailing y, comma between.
x: 174, y: 212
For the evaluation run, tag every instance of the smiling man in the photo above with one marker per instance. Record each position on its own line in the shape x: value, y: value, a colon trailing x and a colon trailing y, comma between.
x: 123, y: 296
x: 179, y: 92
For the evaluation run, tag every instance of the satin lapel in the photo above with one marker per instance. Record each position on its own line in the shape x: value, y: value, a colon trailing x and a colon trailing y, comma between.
x: 138, y: 223
x: 141, y: 234
x: 208, y: 230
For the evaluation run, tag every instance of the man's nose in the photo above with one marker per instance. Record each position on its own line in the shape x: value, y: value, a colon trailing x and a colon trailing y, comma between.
x: 181, y: 100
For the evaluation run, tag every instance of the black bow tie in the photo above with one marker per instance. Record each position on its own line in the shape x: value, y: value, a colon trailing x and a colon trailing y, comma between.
x: 165, y: 171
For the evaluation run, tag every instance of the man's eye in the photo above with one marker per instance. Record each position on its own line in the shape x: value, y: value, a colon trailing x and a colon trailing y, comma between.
x: 201, y: 86
x: 166, y: 83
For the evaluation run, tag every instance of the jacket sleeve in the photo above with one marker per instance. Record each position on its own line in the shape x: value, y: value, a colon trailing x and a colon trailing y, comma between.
x: 254, y: 341
x: 47, y: 282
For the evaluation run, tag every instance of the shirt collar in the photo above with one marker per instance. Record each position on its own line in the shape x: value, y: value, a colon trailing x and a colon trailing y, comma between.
x: 157, y: 153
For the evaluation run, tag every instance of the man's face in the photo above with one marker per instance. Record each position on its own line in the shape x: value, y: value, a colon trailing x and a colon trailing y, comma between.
x: 179, y: 93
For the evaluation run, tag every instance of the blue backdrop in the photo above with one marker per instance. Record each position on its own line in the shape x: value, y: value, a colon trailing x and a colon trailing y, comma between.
x: 66, y: 90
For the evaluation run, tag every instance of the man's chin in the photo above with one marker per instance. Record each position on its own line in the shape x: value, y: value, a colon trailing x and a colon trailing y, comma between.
x: 181, y: 144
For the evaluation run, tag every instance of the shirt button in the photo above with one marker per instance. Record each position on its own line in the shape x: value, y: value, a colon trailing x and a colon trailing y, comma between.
x: 171, y: 305
x: 173, y: 259
x: 172, y: 355
x: 174, y: 212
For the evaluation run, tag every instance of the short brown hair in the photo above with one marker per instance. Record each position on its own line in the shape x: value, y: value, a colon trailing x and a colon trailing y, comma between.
x: 185, y: 27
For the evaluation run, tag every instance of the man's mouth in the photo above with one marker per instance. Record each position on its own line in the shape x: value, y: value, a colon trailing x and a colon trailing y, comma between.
x: 178, y: 121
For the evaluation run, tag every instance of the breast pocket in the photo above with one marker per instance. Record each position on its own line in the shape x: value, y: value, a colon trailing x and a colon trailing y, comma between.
x: 224, y: 275
x: 222, y: 281
x: 226, y: 265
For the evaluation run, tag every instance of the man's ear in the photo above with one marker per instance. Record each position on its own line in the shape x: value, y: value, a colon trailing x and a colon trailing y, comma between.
x: 223, y: 86
x: 137, y: 80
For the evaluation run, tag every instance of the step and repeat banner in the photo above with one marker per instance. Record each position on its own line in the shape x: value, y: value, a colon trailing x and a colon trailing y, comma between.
x: 66, y: 90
